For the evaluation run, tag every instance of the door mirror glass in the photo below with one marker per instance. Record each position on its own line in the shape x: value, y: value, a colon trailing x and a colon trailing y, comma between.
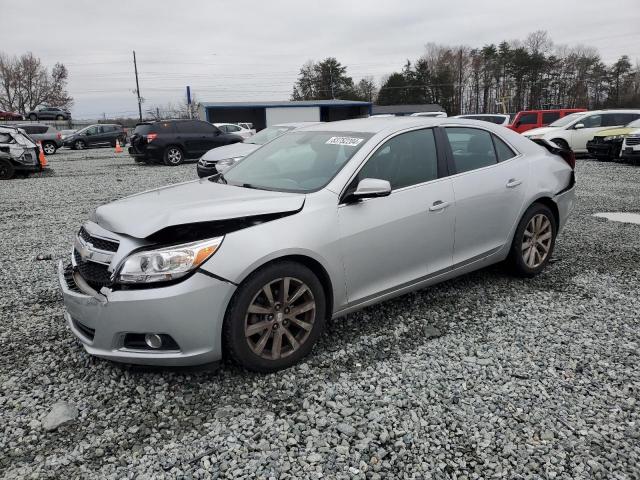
x: 371, y: 188
x: 578, y: 126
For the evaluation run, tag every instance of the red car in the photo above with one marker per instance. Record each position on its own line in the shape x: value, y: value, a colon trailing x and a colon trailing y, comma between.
x: 10, y: 116
x: 529, y: 119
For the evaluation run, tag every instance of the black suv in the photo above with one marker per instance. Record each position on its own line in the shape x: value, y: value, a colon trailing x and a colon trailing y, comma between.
x: 172, y: 141
x: 48, y: 113
x: 102, y: 135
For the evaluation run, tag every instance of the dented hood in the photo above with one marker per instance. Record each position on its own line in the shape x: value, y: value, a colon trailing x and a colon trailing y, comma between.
x: 145, y: 213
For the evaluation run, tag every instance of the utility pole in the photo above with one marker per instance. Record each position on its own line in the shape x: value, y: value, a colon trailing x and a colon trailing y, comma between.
x: 331, y: 80
x: 135, y: 67
x: 460, y: 83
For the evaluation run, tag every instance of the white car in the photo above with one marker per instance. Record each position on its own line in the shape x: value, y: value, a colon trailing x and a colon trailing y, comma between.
x: 497, y: 118
x: 631, y: 147
x: 430, y: 114
x: 247, y: 126
x: 575, y: 130
x: 235, y: 129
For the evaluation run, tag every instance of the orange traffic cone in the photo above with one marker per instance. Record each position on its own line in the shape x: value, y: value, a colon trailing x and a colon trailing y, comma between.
x: 41, y: 158
x: 118, y: 147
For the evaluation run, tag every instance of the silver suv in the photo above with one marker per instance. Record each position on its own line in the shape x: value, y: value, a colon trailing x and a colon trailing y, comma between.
x: 317, y: 223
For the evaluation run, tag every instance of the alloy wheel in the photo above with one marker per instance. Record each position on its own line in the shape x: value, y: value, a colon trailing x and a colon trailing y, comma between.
x: 280, y: 318
x: 79, y: 145
x: 49, y: 149
x: 536, y: 241
x: 175, y: 156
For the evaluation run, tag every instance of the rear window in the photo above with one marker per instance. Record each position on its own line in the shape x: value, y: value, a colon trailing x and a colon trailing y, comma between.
x: 159, y: 127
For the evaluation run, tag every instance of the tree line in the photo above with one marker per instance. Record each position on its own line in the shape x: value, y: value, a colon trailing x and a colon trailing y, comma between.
x: 513, y: 75
x: 25, y: 83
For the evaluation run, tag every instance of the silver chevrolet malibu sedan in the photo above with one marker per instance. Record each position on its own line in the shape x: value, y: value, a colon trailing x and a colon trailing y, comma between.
x: 317, y: 223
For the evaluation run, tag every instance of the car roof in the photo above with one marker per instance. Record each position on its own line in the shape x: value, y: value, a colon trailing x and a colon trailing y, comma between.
x: 296, y: 124
x: 377, y: 124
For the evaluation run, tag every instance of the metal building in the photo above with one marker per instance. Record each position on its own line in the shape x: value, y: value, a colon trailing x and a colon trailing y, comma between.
x: 264, y: 114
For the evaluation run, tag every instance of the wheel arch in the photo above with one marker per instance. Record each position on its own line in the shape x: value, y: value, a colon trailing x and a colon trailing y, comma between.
x: 312, y: 264
x: 548, y: 202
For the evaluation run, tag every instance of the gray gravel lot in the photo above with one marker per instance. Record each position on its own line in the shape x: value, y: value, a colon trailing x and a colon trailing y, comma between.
x: 484, y: 376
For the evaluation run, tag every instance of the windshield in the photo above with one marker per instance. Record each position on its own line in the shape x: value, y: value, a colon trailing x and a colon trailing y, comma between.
x: 297, y: 162
x: 566, y: 120
x: 268, y: 134
x: 634, y: 124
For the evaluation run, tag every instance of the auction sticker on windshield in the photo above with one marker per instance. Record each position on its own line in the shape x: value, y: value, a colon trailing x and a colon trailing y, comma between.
x: 348, y: 141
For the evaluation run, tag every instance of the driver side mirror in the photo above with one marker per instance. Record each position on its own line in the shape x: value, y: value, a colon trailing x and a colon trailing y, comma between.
x: 370, y: 188
x: 578, y: 126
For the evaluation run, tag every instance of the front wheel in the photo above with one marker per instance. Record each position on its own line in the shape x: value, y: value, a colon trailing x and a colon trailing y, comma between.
x: 49, y: 148
x: 533, y: 241
x: 173, y: 156
x: 33, y: 116
x: 275, y: 318
x: 59, y: 117
x: 79, y: 145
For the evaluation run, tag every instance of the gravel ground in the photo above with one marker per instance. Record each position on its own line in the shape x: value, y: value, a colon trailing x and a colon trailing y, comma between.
x: 484, y: 376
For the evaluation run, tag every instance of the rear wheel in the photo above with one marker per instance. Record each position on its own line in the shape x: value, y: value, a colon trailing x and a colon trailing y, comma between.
x: 534, y: 241
x: 49, y: 148
x: 33, y: 116
x: 59, y: 117
x: 79, y: 145
x: 173, y: 156
x: 7, y: 170
x: 275, y: 318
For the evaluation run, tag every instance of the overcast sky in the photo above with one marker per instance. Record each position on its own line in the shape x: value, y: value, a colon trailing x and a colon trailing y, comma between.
x: 252, y: 50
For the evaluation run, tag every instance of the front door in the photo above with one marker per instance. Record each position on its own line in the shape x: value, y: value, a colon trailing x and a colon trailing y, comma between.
x: 397, y: 240
x: 489, y: 186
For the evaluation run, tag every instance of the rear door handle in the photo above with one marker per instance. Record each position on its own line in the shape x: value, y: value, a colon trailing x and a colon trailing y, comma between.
x: 438, y: 205
x: 513, y: 183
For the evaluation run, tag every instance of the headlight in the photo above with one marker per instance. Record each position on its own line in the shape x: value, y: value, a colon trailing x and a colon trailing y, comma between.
x: 227, y: 162
x: 534, y: 137
x: 613, y: 137
x: 169, y: 263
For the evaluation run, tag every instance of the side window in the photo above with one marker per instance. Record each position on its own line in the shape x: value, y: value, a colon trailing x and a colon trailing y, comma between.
x: 549, y: 117
x: 528, y: 119
x: 201, y: 127
x: 591, y: 121
x: 30, y: 129
x: 503, y: 151
x: 407, y: 159
x: 92, y: 131
x: 223, y: 128
x: 472, y: 148
x: 41, y: 129
x: 232, y: 128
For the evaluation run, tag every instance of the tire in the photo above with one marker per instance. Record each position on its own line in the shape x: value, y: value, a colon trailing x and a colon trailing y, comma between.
x: 7, y: 170
x: 59, y: 117
x: 271, y: 320
x: 49, y: 148
x: 525, y: 259
x: 79, y: 145
x: 173, y: 156
x: 33, y: 116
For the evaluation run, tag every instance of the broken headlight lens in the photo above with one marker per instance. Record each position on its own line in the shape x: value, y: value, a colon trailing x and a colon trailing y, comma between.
x: 168, y: 263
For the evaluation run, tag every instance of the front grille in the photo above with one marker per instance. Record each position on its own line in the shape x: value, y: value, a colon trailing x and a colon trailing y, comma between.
x: 89, y: 333
x: 95, y: 274
x: 597, y: 140
x: 631, y: 141
x: 98, y: 243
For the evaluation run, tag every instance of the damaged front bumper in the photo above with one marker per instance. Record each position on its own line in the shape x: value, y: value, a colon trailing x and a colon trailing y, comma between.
x: 111, y: 323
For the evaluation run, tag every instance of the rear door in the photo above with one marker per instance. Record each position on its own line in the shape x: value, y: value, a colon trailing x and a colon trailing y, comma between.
x: 550, y: 117
x: 489, y: 183
x: 397, y: 240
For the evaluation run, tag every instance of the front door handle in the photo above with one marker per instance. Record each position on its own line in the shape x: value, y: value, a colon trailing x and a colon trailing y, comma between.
x: 438, y: 205
x: 513, y: 183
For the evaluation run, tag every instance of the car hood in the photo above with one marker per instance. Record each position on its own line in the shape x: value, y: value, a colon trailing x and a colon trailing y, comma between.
x: 234, y: 150
x: 540, y: 131
x: 614, y: 131
x: 196, y: 201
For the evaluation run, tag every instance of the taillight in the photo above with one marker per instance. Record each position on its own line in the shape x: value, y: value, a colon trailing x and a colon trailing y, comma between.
x: 59, y: 136
x: 565, y: 153
x: 569, y: 157
x: 151, y: 137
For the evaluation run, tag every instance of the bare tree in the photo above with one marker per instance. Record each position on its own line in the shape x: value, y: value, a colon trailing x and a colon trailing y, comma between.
x: 25, y: 84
